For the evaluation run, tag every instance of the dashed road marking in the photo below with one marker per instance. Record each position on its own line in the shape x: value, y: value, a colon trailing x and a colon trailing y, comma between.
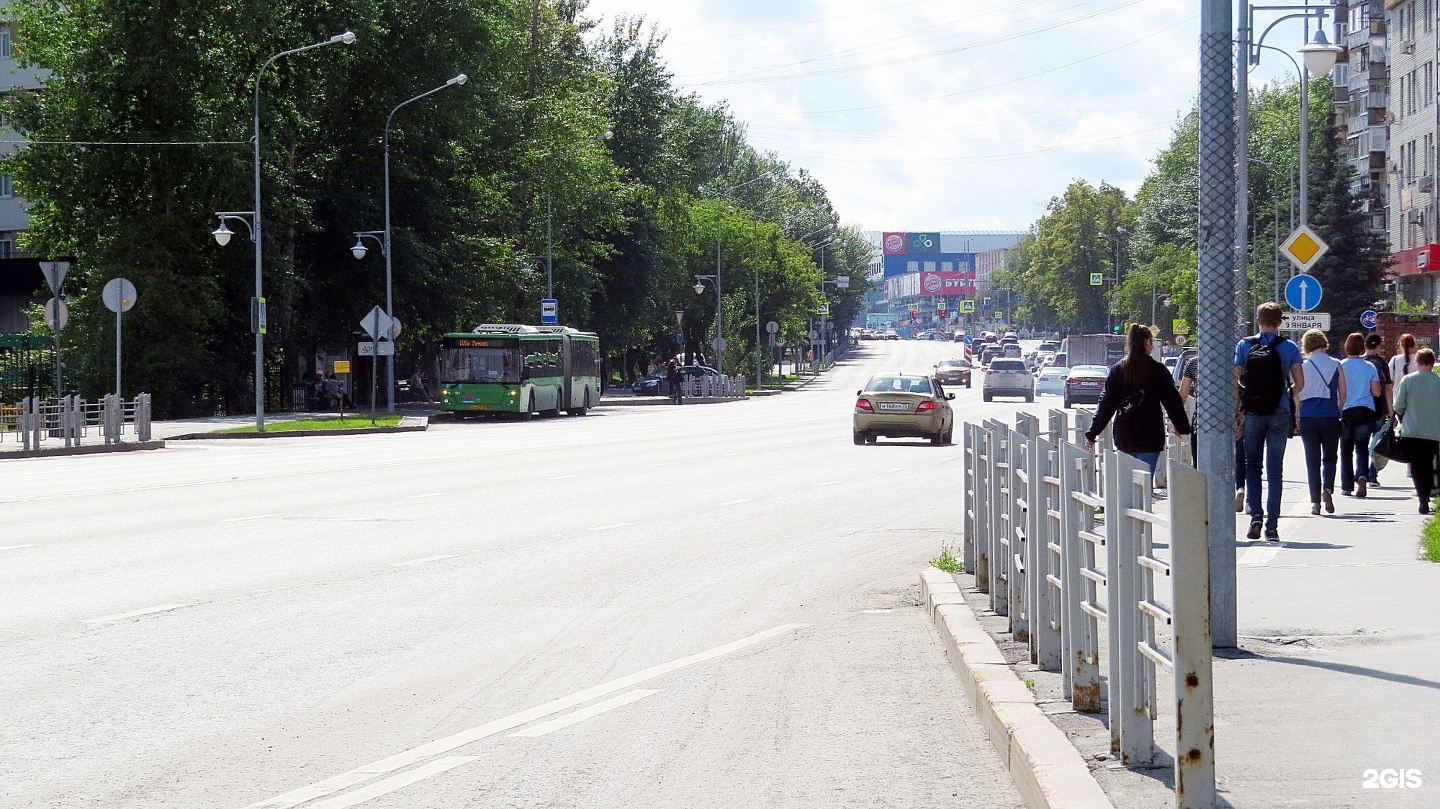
x: 120, y: 616
x: 585, y: 713
x: 423, y: 561
x: 423, y: 496
x: 252, y: 517
x: 18, y: 547
x: 398, y: 761
x: 726, y: 503
x: 394, y: 782
x: 563, y: 477
x: 612, y: 527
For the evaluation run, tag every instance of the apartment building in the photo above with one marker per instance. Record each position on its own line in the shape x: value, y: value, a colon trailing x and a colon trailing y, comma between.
x: 20, y: 275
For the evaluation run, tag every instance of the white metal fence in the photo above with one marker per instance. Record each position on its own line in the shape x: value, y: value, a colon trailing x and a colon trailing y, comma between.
x: 1066, y: 541
x: 70, y: 418
x: 718, y: 387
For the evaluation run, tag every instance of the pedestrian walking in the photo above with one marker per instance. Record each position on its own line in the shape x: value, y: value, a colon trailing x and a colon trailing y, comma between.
x: 1318, y: 404
x: 1403, y: 362
x: 1387, y: 393
x: 676, y: 377
x: 1136, y: 391
x: 1266, y: 364
x: 1189, y: 390
x: 1357, y: 416
x: 1417, y: 407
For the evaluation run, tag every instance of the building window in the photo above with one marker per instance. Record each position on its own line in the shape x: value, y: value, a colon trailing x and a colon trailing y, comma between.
x: 1429, y: 91
x: 7, y: 245
x: 947, y: 266
x: 1425, y: 14
x: 1400, y: 102
x: 912, y: 266
x: 4, y: 42
x: 930, y: 266
x: 6, y: 191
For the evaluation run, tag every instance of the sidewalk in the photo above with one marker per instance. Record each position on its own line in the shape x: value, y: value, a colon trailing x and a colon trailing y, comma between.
x: 1337, y: 670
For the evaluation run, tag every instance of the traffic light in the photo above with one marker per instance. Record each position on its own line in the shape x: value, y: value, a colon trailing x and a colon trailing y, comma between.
x: 1117, y: 328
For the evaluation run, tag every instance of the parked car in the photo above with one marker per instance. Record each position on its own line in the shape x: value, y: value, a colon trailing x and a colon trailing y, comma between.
x: 954, y: 372
x: 1008, y: 377
x: 654, y: 384
x: 1085, y: 383
x: 1051, y: 381
x: 903, y: 406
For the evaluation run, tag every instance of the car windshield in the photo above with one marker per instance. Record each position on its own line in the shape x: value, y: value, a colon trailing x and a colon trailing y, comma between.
x: 499, y: 365
x: 1007, y: 365
x: 1053, y: 373
x: 954, y: 364
x: 898, y: 384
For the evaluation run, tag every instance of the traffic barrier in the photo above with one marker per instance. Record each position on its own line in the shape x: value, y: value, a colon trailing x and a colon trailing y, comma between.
x: 716, y: 387
x: 1039, y: 551
x: 70, y: 418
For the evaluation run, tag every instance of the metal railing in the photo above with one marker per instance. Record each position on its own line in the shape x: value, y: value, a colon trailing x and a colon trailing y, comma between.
x: 1033, y: 511
x: 719, y: 387
x: 70, y: 418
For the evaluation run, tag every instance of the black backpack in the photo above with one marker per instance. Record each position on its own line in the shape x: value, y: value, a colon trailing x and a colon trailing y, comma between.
x: 1262, y: 380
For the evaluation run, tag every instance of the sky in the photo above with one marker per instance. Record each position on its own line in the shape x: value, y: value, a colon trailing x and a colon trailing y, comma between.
x: 957, y: 115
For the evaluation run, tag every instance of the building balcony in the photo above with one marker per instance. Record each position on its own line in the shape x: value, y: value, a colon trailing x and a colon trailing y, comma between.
x: 1373, y: 139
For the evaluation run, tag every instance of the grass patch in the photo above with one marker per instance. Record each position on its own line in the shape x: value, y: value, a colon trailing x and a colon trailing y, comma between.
x: 349, y: 422
x: 1030, y: 683
x: 1430, y: 540
x: 946, y: 561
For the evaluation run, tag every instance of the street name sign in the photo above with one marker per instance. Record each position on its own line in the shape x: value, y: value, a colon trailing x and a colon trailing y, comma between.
x: 387, y: 349
x: 1304, y: 247
x: 1305, y: 321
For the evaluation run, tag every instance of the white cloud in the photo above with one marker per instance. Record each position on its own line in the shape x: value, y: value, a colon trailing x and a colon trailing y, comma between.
x: 945, y: 116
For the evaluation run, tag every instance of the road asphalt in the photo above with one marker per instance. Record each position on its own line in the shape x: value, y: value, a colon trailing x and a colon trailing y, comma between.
x: 654, y: 606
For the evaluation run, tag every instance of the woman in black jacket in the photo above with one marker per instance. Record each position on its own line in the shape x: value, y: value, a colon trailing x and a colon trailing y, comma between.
x: 1135, y: 391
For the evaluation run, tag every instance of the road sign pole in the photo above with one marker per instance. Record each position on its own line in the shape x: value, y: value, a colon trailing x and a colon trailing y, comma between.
x: 119, y: 313
x: 374, y: 362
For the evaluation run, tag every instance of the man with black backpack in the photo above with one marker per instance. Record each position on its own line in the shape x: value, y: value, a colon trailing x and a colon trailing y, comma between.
x: 1267, y: 373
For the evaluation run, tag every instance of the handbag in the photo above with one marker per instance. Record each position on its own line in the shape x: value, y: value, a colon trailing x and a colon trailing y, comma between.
x: 1387, y: 445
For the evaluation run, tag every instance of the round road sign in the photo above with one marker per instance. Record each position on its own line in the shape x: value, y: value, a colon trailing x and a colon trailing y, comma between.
x: 772, y: 327
x: 118, y: 295
x: 718, y: 344
x: 1369, y: 318
x: 53, y: 319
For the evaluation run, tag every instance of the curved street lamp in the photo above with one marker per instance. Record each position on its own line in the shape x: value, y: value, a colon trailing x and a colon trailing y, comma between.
x: 251, y: 218
x: 382, y: 238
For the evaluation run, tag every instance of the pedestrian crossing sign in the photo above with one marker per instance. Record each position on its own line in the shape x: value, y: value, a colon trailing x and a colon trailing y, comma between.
x: 967, y: 306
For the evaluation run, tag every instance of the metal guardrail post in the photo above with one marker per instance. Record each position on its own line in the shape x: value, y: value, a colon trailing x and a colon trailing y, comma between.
x: 1195, y: 705
x: 142, y: 417
x: 984, y: 508
x: 1084, y: 608
x: 1113, y: 603
x: 968, y: 491
x: 1123, y: 496
x: 1001, y: 448
x: 28, y: 436
x: 1047, y: 626
x: 1018, y: 501
x: 1028, y: 556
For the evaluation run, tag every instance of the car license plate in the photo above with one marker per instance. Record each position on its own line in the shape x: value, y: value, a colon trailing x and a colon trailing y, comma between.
x: 900, y: 406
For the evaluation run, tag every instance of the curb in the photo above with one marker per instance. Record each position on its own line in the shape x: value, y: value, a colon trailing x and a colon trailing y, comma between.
x: 1047, y: 770
x: 402, y: 427
x: 652, y: 401
x: 94, y: 449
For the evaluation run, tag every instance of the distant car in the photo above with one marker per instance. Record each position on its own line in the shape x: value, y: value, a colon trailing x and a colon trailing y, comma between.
x: 1008, y: 377
x: 953, y: 372
x: 1170, y: 363
x: 1049, y: 345
x: 652, y: 385
x: 1051, y: 382
x: 1010, y: 350
x: 891, y: 334
x: 903, y: 405
x: 1060, y: 360
x: 1085, y: 383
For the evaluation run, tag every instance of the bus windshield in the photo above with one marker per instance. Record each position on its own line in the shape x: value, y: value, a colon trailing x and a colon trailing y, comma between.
x: 498, y: 365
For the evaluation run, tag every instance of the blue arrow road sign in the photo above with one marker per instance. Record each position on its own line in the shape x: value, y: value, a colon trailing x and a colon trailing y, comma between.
x: 1368, y: 318
x: 1303, y: 293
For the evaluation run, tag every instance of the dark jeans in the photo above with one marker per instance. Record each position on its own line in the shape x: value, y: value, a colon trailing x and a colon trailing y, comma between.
x: 1355, y: 453
x: 1321, y: 436
x: 1265, y: 438
x: 1421, y: 452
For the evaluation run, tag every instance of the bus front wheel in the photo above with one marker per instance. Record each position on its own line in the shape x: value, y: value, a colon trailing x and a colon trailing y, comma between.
x: 530, y: 410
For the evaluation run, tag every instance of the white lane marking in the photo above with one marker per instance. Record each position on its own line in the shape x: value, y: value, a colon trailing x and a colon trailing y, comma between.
x: 423, y: 561
x: 18, y: 547
x: 727, y: 503
x: 896, y: 469
x: 334, y: 784
x: 585, y: 713
x: 612, y: 527
x: 829, y: 483
x: 394, y: 782
x: 732, y: 455
x: 120, y: 616
x: 255, y: 517
x: 563, y: 477
x: 422, y: 496
x: 655, y: 465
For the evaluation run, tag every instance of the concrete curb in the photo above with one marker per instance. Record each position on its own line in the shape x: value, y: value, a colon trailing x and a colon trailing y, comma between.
x: 652, y: 401
x: 93, y: 449
x: 414, y: 427
x: 1047, y: 770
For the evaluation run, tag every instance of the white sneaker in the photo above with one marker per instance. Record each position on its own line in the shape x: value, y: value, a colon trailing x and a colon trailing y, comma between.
x: 1239, y: 501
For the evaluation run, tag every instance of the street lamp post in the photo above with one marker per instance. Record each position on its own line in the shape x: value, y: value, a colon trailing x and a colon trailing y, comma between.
x: 252, y: 220
x: 719, y: 312
x: 359, y: 249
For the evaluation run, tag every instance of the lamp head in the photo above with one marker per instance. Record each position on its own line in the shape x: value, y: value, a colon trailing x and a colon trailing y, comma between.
x: 222, y: 234
x: 460, y: 79
x: 359, y: 250
x: 607, y: 135
x: 699, y: 287
x: 1320, y: 55
x: 347, y: 38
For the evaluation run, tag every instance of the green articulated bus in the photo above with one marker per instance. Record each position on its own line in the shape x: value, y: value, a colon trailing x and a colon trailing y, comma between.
x: 510, y: 368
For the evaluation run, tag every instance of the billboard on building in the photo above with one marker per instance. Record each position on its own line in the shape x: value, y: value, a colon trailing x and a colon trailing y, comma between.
x: 947, y: 283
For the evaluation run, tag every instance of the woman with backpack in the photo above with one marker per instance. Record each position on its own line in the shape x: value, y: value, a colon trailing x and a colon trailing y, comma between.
x: 1136, y: 390
x: 1318, y: 405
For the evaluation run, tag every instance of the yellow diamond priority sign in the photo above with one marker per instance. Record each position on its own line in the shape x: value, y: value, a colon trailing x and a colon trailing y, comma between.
x: 1304, y: 248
